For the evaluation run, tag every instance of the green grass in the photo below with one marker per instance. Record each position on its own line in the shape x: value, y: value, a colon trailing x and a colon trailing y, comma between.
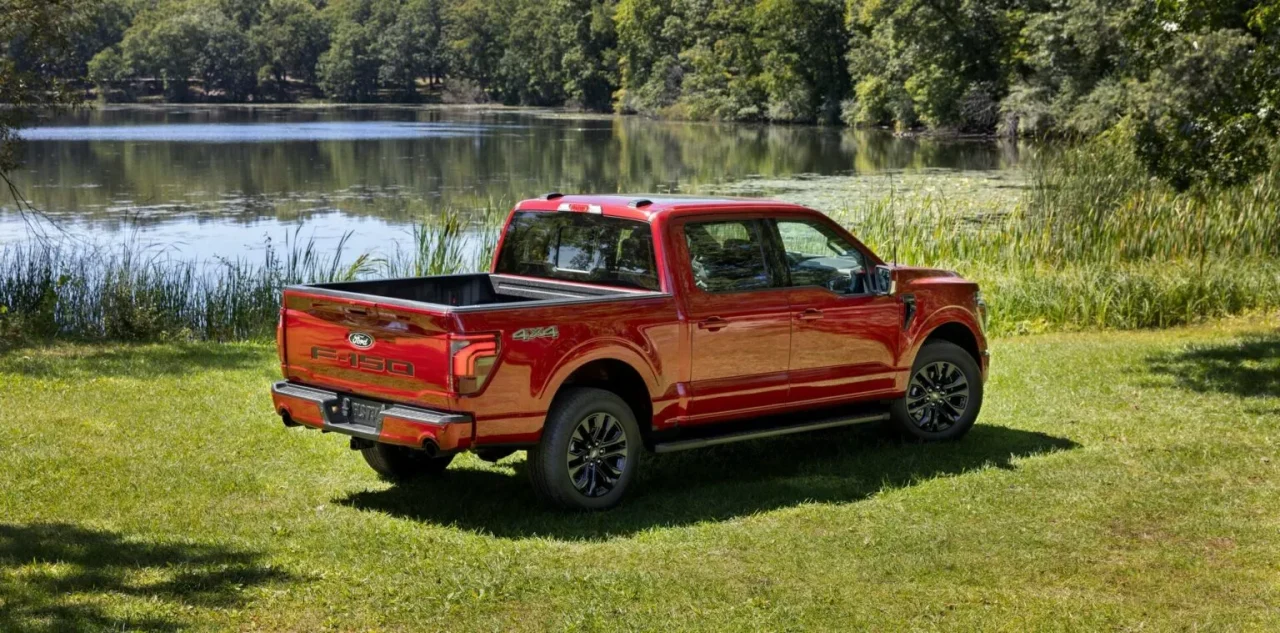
x: 1116, y: 481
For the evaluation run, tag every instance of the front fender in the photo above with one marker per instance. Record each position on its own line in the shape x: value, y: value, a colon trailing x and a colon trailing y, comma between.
x: 922, y: 326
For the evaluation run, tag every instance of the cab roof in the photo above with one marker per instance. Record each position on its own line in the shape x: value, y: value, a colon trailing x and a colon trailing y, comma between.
x: 647, y: 206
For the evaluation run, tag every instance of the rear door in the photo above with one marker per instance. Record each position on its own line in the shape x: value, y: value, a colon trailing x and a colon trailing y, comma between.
x: 362, y: 345
x: 738, y: 317
x: 843, y: 337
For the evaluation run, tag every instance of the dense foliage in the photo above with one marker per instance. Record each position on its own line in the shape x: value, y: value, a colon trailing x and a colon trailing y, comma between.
x: 40, y: 49
x: 1202, y: 68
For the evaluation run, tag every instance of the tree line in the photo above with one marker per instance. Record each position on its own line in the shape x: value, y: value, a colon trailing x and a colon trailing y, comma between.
x: 1193, y: 83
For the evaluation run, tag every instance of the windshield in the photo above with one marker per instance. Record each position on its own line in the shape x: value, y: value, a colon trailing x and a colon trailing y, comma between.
x: 579, y: 247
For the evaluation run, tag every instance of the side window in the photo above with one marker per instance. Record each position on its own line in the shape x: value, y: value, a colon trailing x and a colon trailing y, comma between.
x: 727, y: 256
x: 818, y: 256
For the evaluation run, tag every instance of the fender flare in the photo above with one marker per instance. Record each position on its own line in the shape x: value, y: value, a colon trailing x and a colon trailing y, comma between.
x: 606, y: 349
x: 920, y: 333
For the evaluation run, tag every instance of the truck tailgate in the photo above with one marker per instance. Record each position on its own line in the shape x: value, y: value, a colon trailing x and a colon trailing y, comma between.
x: 377, y: 349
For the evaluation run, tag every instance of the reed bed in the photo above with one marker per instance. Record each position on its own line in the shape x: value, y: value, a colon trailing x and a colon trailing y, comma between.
x: 1092, y: 243
x: 130, y: 291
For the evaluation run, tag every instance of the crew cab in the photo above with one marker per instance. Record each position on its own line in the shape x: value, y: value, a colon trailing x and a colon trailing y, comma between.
x: 612, y: 325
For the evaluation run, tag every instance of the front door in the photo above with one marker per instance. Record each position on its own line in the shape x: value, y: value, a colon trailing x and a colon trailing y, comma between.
x: 843, y: 337
x: 738, y: 315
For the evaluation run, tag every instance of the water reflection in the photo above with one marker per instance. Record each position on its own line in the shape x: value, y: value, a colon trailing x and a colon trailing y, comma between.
x: 224, y: 176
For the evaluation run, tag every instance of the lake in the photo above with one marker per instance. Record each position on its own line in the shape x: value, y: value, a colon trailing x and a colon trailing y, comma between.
x: 200, y: 182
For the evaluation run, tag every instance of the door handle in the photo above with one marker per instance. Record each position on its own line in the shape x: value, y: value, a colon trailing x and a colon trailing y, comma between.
x: 713, y: 324
x: 812, y: 314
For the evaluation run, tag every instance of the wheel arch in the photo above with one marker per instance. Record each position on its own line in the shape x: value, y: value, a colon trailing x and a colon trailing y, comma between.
x: 618, y: 377
x: 957, y: 333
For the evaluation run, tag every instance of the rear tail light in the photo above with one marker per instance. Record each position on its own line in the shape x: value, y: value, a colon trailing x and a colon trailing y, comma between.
x: 580, y: 207
x: 472, y: 359
x: 280, y: 337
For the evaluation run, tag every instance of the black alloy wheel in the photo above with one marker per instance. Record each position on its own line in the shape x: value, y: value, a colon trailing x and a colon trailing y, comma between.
x: 597, y: 454
x: 943, y: 397
x: 589, y: 452
x: 938, y: 396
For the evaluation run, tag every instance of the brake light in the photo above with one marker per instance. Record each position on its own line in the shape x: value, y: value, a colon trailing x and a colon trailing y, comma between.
x: 580, y: 207
x: 472, y: 358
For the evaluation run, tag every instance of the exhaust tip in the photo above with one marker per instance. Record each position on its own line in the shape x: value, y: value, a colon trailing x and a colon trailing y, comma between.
x: 431, y: 448
x: 287, y: 419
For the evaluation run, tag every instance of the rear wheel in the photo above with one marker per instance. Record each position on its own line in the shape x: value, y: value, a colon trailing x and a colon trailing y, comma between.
x: 589, y: 452
x: 399, y: 463
x: 943, y: 396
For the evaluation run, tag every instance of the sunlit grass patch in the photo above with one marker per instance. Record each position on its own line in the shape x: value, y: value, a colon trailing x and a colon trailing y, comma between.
x: 151, y: 487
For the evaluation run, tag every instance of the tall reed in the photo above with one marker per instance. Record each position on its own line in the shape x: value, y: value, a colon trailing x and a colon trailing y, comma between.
x: 1092, y: 242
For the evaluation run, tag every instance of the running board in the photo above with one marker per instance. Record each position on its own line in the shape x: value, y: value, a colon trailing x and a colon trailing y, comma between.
x: 829, y: 423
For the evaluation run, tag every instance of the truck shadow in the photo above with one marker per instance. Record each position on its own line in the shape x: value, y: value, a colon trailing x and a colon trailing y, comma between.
x: 58, y: 577
x: 713, y: 484
x: 1248, y: 367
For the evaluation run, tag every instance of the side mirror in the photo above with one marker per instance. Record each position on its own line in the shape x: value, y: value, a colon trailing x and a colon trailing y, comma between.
x: 883, y: 281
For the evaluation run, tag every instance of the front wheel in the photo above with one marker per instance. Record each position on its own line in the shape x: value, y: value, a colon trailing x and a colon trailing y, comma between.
x: 589, y: 451
x: 943, y: 396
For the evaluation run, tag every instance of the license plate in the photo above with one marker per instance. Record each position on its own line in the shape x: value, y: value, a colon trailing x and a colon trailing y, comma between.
x: 361, y: 412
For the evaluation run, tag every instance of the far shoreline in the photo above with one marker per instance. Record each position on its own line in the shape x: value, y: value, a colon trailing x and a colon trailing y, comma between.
x: 543, y: 112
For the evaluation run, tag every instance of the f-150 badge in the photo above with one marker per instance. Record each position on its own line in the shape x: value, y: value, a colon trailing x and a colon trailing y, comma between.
x: 531, y: 333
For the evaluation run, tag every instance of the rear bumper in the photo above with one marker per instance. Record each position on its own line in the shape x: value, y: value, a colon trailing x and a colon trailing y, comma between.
x: 395, y: 424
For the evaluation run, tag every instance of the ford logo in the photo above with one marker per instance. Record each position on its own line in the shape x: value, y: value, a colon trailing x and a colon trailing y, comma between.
x: 360, y: 340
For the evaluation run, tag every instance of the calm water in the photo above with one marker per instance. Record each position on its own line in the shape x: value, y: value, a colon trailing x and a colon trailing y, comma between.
x: 218, y: 181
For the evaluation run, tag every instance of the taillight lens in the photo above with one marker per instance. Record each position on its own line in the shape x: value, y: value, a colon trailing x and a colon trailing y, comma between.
x: 280, y: 337
x: 472, y: 360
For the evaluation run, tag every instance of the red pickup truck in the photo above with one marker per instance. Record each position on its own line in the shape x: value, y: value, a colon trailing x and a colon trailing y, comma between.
x: 611, y: 325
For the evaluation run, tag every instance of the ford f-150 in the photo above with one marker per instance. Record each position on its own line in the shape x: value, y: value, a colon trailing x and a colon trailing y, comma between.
x: 613, y: 325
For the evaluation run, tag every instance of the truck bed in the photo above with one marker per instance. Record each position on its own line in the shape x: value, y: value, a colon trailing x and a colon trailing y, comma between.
x: 407, y: 331
x: 451, y: 292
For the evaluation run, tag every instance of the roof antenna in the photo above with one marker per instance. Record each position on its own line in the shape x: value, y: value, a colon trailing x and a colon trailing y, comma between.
x: 893, y: 218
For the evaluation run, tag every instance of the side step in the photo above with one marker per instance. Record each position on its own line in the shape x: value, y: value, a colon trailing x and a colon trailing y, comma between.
x: 818, y: 425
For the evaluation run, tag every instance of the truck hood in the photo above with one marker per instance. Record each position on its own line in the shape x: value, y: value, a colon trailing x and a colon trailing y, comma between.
x: 915, y: 273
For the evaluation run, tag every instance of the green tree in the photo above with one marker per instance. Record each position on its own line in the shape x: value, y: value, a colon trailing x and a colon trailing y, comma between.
x: 348, y: 71
x: 409, y: 44
x: 804, y: 71
x: 107, y: 70
x: 165, y: 43
x: 289, y: 38
x: 225, y: 63
x: 650, y: 35
x: 475, y: 33
x: 948, y: 58
x: 1198, y: 119
x: 589, y: 64
x: 37, y: 40
x: 530, y: 70
x: 722, y: 62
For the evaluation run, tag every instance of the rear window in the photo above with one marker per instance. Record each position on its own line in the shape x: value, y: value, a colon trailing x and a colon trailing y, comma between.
x: 579, y: 247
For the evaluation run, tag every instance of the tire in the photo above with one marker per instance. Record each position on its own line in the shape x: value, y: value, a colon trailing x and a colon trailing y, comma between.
x: 589, y: 452
x: 401, y: 463
x: 937, y: 406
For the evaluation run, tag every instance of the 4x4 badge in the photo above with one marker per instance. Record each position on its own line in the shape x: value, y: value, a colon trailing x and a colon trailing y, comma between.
x: 360, y: 340
x: 530, y: 333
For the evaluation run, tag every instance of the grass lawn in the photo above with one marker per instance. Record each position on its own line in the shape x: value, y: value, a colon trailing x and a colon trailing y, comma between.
x: 1117, y: 481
